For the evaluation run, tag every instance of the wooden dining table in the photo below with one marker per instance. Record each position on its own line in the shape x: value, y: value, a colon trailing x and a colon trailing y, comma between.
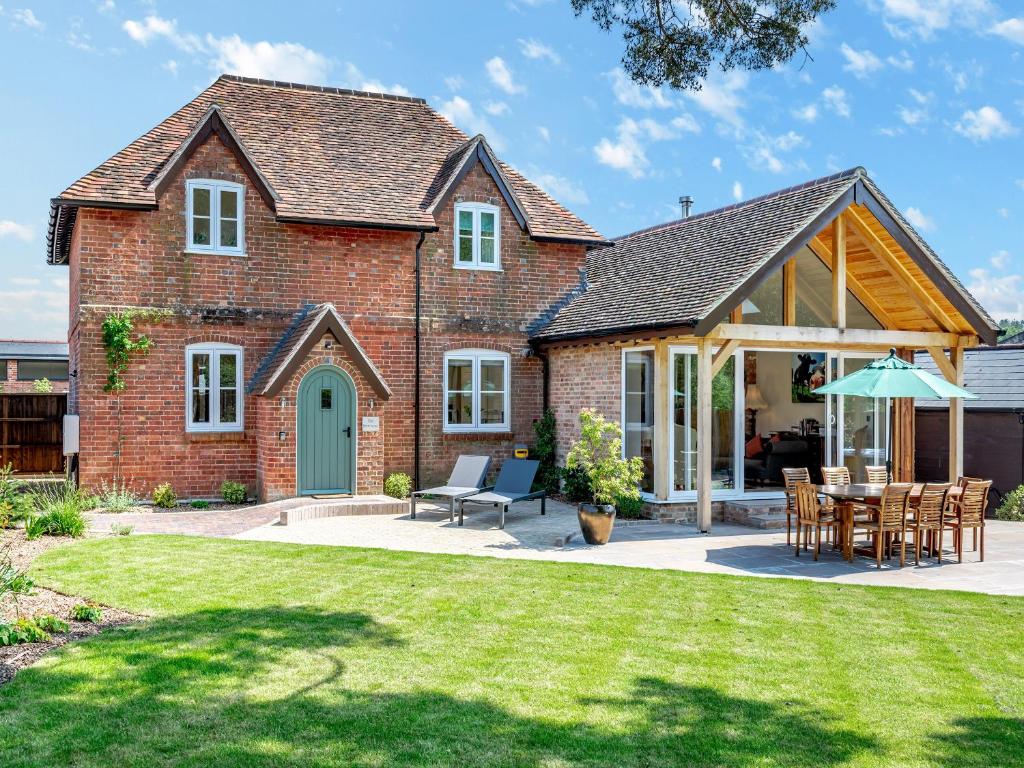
x: 847, y: 497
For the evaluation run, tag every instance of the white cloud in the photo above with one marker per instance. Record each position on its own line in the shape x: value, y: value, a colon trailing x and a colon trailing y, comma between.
x: 984, y: 124
x: 461, y: 112
x: 923, y: 18
x: 962, y: 74
x: 628, y: 152
x: 535, y: 49
x: 1001, y: 296
x: 544, y: 132
x: 808, y: 114
x: 763, y: 153
x: 716, y: 163
x: 274, y: 61
x: 106, y: 6
x: 171, y: 66
x: 10, y: 228
x: 1019, y: 183
x: 686, y: 123
x: 26, y: 18
x: 34, y: 312
x: 836, y: 100
x: 919, y: 220
x: 1004, y: 213
x: 912, y: 116
x: 920, y: 98
x: 1000, y: 259
x: 737, y: 191
x: 1011, y: 29
x: 860, y: 63
x: 153, y: 27
x: 454, y: 82
x: 562, y: 189
x: 630, y: 94
x: 902, y: 62
x: 502, y: 77
x: 358, y: 81
x: 721, y: 96
x: 496, y: 108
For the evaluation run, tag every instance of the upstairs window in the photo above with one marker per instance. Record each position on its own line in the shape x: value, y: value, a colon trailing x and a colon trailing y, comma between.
x: 477, y: 236
x: 476, y: 386
x: 215, y: 214
x: 213, y: 383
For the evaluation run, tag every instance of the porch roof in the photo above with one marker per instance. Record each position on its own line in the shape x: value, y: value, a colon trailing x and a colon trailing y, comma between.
x: 691, y: 272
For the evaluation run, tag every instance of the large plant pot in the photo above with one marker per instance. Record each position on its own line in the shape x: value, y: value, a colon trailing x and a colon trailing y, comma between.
x: 596, y: 522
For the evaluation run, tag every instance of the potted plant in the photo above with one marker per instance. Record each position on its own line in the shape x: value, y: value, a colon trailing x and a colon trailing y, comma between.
x: 598, y: 454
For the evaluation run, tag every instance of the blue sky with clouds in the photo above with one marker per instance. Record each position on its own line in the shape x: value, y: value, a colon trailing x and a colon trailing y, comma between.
x: 928, y: 95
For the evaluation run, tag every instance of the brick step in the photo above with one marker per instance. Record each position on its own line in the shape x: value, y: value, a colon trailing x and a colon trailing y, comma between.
x: 770, y: 515
x: 298, y: 510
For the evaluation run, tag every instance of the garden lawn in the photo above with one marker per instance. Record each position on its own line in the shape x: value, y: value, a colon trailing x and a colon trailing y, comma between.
x: 278, y: 655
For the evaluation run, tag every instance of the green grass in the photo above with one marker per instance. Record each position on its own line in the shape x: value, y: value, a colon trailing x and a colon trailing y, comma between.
x: 277, y: 655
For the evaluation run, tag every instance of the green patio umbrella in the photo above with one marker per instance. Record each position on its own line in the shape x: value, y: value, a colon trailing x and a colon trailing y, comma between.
x: 893, y: 377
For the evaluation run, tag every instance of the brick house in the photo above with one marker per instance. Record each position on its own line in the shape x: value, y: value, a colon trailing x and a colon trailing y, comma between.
x: 317, y: 320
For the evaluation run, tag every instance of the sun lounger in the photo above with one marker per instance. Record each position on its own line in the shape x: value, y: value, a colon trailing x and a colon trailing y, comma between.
x: 467, y: 478
x: 514, y: 483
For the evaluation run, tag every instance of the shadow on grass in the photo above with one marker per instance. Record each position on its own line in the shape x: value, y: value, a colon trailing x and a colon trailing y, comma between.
x: 267, y: 687
x: 981, y: 742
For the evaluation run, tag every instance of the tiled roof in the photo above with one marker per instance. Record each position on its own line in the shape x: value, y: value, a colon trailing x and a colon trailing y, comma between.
x: 995, y: 374
x: 26, y: 350
x: 331, y: 154
x: 678, y: 273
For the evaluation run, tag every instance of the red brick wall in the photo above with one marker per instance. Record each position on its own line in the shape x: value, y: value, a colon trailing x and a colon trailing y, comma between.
x: 9, y: 380
x: 126, y: 258
x: 587, y: 376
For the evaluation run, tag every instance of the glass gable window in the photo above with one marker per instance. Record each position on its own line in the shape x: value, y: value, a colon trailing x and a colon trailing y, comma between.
x: 638, y: 411
x: 213, y: 388
x: 476, y: 384
x: 814, y: 296
x: 214, y: 216
x: 477, y: 238
x: 764, y: 305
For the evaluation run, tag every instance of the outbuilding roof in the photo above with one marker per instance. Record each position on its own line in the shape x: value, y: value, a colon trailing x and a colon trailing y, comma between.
x: 995, y: 374
x: 690, y: 272
x: 33, y: 350
x: 327, y: 155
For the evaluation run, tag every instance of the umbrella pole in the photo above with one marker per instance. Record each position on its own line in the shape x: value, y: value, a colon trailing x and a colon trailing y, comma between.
x: 890, y: 438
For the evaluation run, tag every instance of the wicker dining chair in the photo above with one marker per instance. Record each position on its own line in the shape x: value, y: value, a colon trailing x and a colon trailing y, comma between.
x: 968, y: 511
x: 792, y: 476
x: 890, y: 518
x: 929, y: 517
x: 811, y: 517
x: 877, y: 475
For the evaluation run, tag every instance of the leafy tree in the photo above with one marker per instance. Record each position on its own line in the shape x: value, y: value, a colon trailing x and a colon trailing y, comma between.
x: 676, y: 41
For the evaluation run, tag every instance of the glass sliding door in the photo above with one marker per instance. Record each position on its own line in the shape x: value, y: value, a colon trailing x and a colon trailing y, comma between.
x: 638, y: 411
x: 864, y: 425
x: 723, y: 447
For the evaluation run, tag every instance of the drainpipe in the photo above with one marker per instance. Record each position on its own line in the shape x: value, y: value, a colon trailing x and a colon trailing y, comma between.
x: 545, y: 378
x: 416, y: 397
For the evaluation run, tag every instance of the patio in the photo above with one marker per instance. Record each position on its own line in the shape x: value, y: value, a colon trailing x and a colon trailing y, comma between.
x: 729, y: 549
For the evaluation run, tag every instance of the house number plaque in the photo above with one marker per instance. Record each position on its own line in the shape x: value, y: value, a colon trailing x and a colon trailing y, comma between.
x: 371, y: 423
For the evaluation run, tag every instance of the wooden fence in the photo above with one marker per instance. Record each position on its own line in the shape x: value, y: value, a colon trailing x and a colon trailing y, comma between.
x: 32, y: 432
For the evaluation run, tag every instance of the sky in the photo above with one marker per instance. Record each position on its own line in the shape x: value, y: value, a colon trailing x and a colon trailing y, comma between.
x: 928, y: 95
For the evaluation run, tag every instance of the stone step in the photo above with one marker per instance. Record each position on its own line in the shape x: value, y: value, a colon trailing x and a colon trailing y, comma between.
x: 768, y: 515
x: 315, y: 509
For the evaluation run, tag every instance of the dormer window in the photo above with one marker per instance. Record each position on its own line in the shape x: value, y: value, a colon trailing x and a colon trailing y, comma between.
x: 477, y: 236
x: 215, y: 215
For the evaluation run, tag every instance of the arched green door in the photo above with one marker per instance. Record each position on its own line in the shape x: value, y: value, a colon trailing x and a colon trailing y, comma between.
x: 326, y: 432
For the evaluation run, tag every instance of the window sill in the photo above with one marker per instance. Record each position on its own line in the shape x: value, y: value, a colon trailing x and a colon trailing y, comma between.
x: 495, y: 435
x: 211, y: 436
x: 195, y: 252
x: 475, y: 268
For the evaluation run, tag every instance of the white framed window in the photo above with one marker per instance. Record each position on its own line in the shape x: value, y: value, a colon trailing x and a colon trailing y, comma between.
x: 477, y: 236
x: 213, y: 388
x: 476, y: 391
x: 215, y: 216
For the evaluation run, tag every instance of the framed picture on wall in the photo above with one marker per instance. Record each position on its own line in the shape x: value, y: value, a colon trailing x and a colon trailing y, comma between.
x: 808, y: 371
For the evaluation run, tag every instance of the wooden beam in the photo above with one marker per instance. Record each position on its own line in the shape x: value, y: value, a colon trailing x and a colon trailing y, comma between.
x: 839, y: 271
x: 837, y: 338
x: 789, y: 292
x: 736, y: 316
x: 945, y: 367
x: 704, y: 439
x: 899, y: 272
x: 662, y: 419
x: 722, y: 356
x: 956, y: 418
x: 823, y: 251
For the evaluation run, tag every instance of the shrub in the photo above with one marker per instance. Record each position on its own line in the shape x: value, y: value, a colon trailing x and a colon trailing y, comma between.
x: 121, y: 529
x: 24, y: 630
x: 1012, y: 507
x: 598, y: 453
x: 15, y: 503
x: 49, y: 623
x: 163, y: 496
x: 398, y: 485
x: 87, y: 612
x: 199, y: 504
x: 234, y: 493
x: 548, y: 475
x: 576, y: 485
x: 629, y: 506
x: 60, y: 513
x: 13, y: 581
x: 117, y: 498
x: 42, y: 386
